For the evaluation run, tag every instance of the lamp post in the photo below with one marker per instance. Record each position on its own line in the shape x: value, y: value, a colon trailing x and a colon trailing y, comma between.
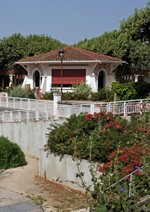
x: 61, y: 55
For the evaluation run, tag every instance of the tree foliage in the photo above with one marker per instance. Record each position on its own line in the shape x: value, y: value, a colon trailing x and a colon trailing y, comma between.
x: 137, y: 26
x: 130, y: 43
x: 17, y: 46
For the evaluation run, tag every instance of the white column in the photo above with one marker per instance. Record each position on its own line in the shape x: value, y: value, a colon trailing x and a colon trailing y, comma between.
x: 136, y: 78
x: 56, y: 99
x: 93, y: 82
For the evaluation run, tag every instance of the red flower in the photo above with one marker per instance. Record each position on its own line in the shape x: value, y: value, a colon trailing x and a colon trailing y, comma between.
x: 101, y: 169
x: 88, y: 117
x: 123, y: 158
x: 107, y: 118
x: 128, y: 168
x: 117, y: 126
x: 107, y: 126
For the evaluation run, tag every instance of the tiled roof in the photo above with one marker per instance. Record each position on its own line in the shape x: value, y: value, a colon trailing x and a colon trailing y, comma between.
x: 71, y: 54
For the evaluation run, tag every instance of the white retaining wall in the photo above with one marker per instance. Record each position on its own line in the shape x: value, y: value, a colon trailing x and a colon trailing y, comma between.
x: 30, y: 136
x: 63, y: 170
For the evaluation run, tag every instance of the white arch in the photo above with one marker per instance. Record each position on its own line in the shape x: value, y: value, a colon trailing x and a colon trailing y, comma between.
x: 104, y: 78
x: 36, y: 81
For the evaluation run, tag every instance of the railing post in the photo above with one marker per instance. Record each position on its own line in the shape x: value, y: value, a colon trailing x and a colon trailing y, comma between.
x: 14, y: 102
x: 92, y: 108
x: 108, y: 107
x: 29, y: 105
x: 21, y: 103
x: 56, y: 99
x: 45, y: 106
x: 11, y: 116
x: 81, y: 110
x: 7, y: 100
x: 46, y: 115
x: 37, y: 115
x: 124, y: 108
x: 37, y: 104
x: 3, y: 116
x: 19, y: 115
x: 141, y: 106
x: 68, y: 110
x: 28, y: 115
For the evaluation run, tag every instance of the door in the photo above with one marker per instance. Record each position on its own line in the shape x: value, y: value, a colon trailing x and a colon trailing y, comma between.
x: 101, y: 80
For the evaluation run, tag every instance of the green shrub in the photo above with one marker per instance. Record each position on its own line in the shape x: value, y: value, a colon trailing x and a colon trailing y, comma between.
x: 82, y: 91
x: 10, y: 154
x: 62, y: 138
x: 94, y: 137
x: 119, y: 147
x: 48, y: 96
x: 124, y: 91
x: 142, y: 89
x: 69, y: 96
x: 103, y: 94
x: 21, y: 92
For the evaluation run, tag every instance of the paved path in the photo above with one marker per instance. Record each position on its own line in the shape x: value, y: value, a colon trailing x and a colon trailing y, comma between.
x: 14, y: 202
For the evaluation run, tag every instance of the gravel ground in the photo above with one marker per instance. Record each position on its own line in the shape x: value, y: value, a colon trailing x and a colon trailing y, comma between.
x: 51, y: 196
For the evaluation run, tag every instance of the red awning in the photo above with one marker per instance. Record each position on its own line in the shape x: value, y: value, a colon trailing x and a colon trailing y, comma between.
x: 69, y: 76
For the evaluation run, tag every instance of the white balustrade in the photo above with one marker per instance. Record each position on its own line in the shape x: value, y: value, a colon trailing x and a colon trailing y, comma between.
x: 21, y: 109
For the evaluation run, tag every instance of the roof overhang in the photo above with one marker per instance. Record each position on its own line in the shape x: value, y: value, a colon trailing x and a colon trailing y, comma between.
x: 70, y: 62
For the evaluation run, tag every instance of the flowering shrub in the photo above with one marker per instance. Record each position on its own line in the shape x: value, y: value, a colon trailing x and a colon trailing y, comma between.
x: 87, y: 136
x: 95, y: 136
x: 126, y: 175
x: 120, y: 148
x: 126, y: 159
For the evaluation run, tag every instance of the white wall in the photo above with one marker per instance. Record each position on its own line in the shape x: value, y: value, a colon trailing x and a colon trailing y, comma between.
x: 30, y: 136
x: 64, y: 169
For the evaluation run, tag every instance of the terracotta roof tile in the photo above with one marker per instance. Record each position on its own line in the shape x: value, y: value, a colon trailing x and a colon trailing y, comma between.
x: 71, y: 54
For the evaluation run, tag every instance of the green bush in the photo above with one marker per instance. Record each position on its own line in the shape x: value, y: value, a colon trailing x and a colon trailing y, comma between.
x: 94, y: 137
x: 119, y: 147
x: 21, y: 92
x: 68, y: 96
x: 124, y: 91
x: 10, y: 154
x: 48, y: 96
x: 142, y: 89
x: 103, y: 94
x: 82, y: 91
x: 62, y: 138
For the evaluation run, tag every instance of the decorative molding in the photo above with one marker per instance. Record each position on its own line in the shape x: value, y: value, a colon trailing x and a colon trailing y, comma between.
x: 32, y: 68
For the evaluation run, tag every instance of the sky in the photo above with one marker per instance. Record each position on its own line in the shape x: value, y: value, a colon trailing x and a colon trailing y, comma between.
x: 68, y: 21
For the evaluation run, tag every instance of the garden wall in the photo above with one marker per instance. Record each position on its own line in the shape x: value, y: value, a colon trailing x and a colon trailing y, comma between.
x: 64, y: 169
x: 30, y: 136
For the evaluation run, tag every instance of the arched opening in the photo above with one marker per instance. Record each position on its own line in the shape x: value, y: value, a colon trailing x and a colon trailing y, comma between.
x: 36, y: 78
x: 101, y: 80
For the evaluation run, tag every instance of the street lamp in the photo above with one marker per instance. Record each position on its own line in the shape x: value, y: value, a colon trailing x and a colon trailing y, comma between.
x: 61, y: 55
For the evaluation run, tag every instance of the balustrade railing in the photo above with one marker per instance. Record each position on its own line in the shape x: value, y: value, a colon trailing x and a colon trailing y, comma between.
x: 18, y: 116
x: 47, y: 108
x: 122, y: 108
x: 26, y: 104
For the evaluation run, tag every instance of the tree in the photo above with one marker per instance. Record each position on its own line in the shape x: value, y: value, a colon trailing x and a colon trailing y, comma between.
x: 137, y: 26
x: 130, y: 42
x: 37, y: 44
x: 17, y: 46
x: 13, y: 49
